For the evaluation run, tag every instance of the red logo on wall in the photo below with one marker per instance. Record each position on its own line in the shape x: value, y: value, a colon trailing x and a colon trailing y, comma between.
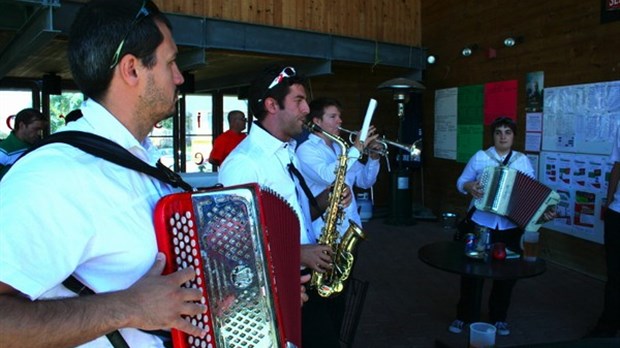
x: 9, y: 121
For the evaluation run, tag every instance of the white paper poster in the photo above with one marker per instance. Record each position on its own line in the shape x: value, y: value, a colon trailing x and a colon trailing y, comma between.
x: 445, y: 123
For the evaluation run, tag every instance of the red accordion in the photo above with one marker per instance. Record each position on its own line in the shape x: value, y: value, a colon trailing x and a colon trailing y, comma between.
x: 510, y: 193
x: 243, y: 242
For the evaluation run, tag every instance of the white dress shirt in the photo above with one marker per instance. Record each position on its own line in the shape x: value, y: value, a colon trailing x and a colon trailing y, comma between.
x: 65, y: 212
x: 261, y: 158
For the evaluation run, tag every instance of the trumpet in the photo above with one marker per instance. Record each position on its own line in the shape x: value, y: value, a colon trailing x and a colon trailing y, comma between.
x: 414, y: 149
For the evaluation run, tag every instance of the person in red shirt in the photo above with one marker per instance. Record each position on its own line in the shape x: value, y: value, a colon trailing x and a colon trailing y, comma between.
x: 228, y: 140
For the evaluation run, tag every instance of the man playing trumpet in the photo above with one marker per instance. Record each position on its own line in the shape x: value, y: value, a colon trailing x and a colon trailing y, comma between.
x: 318, y: 157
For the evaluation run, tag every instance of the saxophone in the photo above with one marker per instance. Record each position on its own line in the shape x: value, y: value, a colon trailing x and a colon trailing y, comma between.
x: 331, y: 282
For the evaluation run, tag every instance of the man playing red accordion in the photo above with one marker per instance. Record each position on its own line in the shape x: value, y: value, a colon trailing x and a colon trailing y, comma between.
x: 98, y: 225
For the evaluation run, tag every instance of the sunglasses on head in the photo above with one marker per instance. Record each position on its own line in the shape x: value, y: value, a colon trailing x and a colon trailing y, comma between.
x: 287, y: 72
x: 143, y: 12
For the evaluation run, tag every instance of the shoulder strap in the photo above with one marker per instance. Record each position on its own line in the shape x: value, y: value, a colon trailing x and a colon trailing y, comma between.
x: 505, y: 162
x: 515, y: 156
x: 490, y: 154
x: 507, y: 159
x: 101, y: 147
x: 73, y: 284
x: 115, y: 337
x: 110, y: 151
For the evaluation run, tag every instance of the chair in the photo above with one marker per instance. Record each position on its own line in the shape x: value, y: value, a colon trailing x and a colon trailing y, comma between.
x: 355, y: 297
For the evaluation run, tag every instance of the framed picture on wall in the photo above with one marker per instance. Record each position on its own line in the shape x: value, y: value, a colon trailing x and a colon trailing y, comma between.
x: 610, y: 11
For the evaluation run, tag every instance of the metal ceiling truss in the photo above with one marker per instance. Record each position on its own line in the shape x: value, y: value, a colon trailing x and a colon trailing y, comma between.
x: 37, y: 31
x: 204, y: 34
x: 210, y: 33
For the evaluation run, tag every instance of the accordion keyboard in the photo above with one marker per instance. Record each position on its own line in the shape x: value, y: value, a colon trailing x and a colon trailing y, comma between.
x: 230, y: 237
x: 186, y: 254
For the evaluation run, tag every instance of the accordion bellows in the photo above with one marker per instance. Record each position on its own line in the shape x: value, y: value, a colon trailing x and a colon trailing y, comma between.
x: 243, y: 242
x: 510, y: 193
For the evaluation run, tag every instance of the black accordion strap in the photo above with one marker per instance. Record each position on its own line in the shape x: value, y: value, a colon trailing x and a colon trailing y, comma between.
x: 101, y: 147
x: 73, y: 284
x: 115, y: 337
x: 111, y: 151
x: 507, y: 159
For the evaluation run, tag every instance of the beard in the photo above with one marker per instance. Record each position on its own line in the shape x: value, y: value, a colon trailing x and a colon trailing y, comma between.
x: 160, y: 105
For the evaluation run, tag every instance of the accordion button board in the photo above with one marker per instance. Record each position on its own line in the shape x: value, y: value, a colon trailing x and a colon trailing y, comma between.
x: 230, y: 236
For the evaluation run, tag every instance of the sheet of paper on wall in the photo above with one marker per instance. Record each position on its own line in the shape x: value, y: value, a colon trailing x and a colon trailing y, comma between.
x: 581, y: 118
x: 532, y: 141
x: 533, y: 121
x: 445, y: 123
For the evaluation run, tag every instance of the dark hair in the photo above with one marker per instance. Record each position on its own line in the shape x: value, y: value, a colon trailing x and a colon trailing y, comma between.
x: 259, y: 89
x: 96, y: 33
x: 28, y: 116
x: 317, y: 107
x: 504, y: 121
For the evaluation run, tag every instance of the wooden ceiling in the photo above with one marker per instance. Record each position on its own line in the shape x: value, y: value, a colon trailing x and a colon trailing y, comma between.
x: 224, y: 54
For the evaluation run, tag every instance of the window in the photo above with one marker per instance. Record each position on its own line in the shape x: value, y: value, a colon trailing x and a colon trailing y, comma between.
x: 198, y: 132
x: 198, y: 135
x: 198, y: 121
x: 233, y: 103
x: 162, y: 138
x: 61, y: 105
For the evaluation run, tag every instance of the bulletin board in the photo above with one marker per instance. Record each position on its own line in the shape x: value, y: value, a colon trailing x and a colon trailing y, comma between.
x: 580, y: 123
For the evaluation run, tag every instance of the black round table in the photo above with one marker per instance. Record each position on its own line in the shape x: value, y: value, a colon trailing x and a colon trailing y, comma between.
x: 449, y: 256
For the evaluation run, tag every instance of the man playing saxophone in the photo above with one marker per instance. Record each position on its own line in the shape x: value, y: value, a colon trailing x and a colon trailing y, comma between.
x: 266, y: 156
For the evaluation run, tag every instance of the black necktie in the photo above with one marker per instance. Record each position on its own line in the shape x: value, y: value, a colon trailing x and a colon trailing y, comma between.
x: 304, y: 186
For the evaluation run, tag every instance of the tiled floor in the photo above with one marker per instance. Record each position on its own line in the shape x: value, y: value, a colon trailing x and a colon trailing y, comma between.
x: 410, y: 304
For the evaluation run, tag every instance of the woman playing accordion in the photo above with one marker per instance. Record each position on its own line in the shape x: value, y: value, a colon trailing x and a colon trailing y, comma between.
x: 501, y: 228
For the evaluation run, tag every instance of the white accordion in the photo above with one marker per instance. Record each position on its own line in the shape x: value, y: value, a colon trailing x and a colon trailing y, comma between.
x: 510, y: 193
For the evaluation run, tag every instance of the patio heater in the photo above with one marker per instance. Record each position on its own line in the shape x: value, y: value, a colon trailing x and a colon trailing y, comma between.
x: 400, y: 212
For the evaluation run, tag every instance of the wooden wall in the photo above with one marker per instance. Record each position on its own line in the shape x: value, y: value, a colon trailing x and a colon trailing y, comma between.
x: 393, y: 21
x: 563, y: 38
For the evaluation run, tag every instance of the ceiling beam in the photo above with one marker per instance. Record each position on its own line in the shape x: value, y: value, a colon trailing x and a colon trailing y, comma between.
x: 308, y: 69
x: 206, y: 34
x: 192, y: 59
x: 211, y: 33
x: 37, y: 32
